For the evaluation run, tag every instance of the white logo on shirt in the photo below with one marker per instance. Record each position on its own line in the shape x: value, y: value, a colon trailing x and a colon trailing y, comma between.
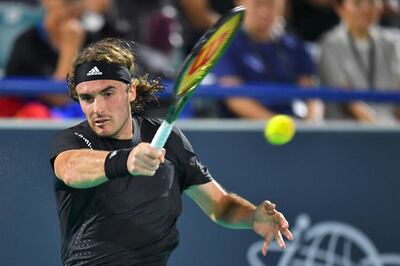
x: 112, y: 154
x: 87, y: 142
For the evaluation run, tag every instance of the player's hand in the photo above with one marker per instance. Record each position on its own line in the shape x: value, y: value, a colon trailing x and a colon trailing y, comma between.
x: 145, y: 160
x: 270, y: 224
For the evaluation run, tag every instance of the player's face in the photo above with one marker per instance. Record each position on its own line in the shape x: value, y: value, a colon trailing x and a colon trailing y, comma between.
x: 106, y: 105
x: 360, y: 14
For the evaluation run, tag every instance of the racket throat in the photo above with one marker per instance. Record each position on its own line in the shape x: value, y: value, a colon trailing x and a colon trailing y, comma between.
x: 162, y: 134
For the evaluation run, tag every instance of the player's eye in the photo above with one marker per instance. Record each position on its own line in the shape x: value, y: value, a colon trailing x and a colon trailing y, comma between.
x: 108, y: 94
x: 86, y: 98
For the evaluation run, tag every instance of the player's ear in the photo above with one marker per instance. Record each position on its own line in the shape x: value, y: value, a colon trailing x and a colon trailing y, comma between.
x: 132, y: 91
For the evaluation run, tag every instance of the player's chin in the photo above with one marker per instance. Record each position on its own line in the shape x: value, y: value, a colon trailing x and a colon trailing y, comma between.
x: 102, y: 130
x: 103, y: 133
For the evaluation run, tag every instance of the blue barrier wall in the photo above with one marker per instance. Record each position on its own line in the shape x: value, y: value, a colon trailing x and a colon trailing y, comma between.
x: 339, y: 190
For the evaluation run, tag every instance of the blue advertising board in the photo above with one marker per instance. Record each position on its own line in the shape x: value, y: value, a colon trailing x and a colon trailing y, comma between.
x: 339, y: 190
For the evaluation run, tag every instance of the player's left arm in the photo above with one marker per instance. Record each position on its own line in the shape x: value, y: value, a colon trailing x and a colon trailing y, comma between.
x: 235, y: 212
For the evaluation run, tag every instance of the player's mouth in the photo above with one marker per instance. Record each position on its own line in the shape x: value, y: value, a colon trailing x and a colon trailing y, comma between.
x: 100, y: 122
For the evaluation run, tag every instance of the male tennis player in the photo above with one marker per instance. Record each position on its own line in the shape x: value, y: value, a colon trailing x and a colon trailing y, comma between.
x: 118, y: 198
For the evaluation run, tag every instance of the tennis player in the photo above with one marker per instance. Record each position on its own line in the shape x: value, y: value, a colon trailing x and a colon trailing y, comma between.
x: 118, y: 198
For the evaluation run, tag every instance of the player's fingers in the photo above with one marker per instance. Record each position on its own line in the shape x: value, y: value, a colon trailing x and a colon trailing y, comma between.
x: 269, y: 208
x: 279, y: 239
x: 283, y: 223
x: 162, y: 157
x: 269, y: 205
x: 150, y: 162
x: 139, y: 166
x: 144, y: 161
x: 267, y: 242
x: 287, y: 234
x: 145, y: 150
x: 143, y: 171
x: 153, y: 153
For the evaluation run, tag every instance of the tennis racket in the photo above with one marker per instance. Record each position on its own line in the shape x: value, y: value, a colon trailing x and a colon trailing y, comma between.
x: 196, y: 66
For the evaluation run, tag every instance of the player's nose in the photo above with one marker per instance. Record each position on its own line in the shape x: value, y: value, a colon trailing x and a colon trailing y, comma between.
x: 98, y: 105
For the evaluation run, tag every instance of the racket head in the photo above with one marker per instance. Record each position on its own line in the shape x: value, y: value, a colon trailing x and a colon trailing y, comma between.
x: 202, y: 58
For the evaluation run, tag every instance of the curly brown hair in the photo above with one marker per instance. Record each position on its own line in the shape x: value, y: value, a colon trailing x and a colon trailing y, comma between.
x: 117, y: 51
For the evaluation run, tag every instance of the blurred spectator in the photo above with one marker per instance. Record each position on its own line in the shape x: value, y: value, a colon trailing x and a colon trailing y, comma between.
x: 31, y: 2
x: 196, y: 16
x: 101, y: 19
x: 262, y: 51
x: 14, y: 18
x: 360, y: 55
x: 154, y: 26
x: 391, y: 13
x: 311, y: 18
x: 202, y: 14
x: 47, y: 49
x: 199, y: 15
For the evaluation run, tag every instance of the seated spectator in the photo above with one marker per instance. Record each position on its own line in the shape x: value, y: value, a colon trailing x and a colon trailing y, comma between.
x: 311, y: 18
x: 262, y: 51
x: 31, y: 2
x: 102, y: 20
x: 154, y: 27
x: 391, y: 13
x: 359, y: 55
x: 156, y: 31
x: 46, y: 50
x: 199, y: 15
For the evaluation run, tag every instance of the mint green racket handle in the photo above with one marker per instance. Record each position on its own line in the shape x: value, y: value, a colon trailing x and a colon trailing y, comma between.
x: 162, y: 134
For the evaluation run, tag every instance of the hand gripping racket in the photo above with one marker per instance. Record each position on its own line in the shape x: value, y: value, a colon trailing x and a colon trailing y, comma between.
x: 197, y: 64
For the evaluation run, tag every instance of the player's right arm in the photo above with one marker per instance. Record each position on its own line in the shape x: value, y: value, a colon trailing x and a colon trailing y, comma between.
x: 85, y: 168
x: 81, y: 168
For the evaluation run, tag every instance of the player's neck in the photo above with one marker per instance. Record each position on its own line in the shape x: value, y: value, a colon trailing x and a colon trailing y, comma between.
x: 126, y: 132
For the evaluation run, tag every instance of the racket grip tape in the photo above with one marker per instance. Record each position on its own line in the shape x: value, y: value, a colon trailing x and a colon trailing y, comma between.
x: 162, y: 134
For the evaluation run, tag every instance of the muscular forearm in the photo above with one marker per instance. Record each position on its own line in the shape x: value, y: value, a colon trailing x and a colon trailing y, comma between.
x: 234, y: 212
x: 81, y: 168
x: 85, y: 168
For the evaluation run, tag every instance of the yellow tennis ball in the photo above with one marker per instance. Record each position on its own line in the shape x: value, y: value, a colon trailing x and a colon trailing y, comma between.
x: 279, y: 129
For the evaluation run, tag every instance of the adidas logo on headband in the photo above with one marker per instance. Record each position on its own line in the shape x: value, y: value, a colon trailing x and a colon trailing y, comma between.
x: 94, y: 72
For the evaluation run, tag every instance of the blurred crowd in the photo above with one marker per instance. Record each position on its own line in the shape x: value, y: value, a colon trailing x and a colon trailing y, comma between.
x: 342, y: 44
